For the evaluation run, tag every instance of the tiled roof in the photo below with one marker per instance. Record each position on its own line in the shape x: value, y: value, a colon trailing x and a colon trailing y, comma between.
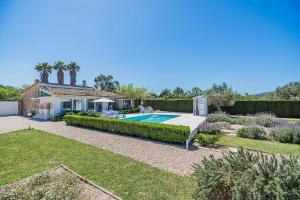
x: 61, y: 91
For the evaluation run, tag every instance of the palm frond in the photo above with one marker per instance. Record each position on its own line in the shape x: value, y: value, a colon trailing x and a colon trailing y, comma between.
x: 59, y: 65
x: 72, y: 66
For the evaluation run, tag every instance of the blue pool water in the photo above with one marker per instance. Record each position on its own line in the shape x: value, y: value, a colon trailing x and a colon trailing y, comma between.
x: 151, y: 118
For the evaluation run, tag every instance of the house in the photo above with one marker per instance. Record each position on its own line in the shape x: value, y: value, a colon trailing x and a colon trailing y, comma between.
x: 46, y: 100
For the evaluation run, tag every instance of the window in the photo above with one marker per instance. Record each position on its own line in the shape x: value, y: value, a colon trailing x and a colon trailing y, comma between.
x: 127, y: 104
x: 66, y: 105
x: 90, y: 104
x: 43, y: 94
x: 77, y: 105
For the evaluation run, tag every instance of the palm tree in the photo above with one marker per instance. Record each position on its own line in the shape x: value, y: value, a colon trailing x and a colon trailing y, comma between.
x: 45, y: 69
x: 60, y: 67
x: 73, y: 68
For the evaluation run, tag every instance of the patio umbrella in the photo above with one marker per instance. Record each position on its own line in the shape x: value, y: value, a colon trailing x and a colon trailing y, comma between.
x: 65, y: 100
x: 103, y: 100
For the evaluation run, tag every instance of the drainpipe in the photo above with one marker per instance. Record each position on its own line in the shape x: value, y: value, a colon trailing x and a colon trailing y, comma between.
x: 72, y: 107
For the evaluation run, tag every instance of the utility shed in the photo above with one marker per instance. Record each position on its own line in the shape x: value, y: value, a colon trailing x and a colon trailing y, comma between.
x: 200, y: 107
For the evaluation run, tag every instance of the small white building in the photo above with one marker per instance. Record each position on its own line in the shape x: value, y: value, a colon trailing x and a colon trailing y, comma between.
x: 200, y: 106
x: 50, y: 99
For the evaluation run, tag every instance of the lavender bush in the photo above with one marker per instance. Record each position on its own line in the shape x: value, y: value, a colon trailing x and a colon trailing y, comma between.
x: 208, y: 134
x: 210, y: 129
x: 219, y: 117
x: 243, y: 120
x: 244, y: 175
x: 286, y: 134
x: 265, y: 119
x: 252, y: 132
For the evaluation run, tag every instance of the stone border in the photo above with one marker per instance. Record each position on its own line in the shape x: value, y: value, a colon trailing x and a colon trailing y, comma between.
x: 88, y: 182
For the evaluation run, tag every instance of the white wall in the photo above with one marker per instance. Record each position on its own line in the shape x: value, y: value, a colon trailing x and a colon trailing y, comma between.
x: 8, y: 108
x: 56, y: 102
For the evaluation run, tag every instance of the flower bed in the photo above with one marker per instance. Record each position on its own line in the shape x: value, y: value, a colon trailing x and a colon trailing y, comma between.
x: 155, y: 131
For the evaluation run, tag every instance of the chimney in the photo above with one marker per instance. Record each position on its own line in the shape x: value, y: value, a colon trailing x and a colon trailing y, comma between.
x: 84, y: 83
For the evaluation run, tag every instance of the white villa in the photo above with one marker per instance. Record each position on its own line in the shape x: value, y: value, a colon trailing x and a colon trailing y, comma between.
x: 48, y: 99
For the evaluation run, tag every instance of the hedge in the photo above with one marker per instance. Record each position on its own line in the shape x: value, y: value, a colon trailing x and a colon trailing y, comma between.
x: 178, y: 105
x: 129, y: 111
x: 279, y: 108
x: 155, y: 131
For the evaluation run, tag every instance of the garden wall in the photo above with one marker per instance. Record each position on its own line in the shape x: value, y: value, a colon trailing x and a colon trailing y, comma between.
x: 279, y: 108
x: 9, y: 108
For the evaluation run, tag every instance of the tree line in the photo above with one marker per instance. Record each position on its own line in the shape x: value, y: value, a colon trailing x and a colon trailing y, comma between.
x: 218, y: 94
x: 9, y: 93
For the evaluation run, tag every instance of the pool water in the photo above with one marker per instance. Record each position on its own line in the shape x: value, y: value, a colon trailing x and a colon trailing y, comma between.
x: 151, y: 118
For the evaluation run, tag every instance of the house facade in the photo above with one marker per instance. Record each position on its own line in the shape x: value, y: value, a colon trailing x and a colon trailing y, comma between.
x: 49, y: 99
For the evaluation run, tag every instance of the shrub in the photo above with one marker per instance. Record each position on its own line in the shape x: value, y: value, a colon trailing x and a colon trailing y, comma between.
x: 89, y: 113
x: 222, y: 125
x: 174, y: 105
x: 243, y: 175
x: 279, y: 108
x: 210, y: 129
x: 252, y: 132
x: 219, y: 117
x: 243, y: 120
x: 206, y: 139
x: 45, y: 186
x: 155, y: 131
x: 265, y: 119
x: 59, y: 116
x: 129, y: 111
x: 208, y: 134
x: 287, y: 134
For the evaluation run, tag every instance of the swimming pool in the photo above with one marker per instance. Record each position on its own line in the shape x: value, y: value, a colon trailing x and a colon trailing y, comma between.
x: 151, y: 118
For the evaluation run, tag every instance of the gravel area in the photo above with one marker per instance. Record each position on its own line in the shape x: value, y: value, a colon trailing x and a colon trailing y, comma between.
x: 173, y: 158
x: 87, y: 189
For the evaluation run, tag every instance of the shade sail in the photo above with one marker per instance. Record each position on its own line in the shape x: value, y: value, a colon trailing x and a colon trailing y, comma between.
x: 103, y: 100
x: 65, y: 100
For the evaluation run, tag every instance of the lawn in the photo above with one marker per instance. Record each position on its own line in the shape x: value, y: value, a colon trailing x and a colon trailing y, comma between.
x: 293, y: 121
x: 26, y: 152
x: 260, y: 145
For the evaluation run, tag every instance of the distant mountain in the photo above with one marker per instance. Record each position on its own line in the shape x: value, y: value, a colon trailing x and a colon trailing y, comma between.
x: 263, y: 94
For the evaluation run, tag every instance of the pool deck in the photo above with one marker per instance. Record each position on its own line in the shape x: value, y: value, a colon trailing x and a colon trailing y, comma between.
x: 185, y: 119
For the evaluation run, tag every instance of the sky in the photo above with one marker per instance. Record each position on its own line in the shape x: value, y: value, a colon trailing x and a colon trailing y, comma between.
x: 253, y: 45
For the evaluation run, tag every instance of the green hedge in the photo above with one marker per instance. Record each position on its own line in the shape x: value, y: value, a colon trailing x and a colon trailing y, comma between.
x: 155, y: 131
x: 129, y: 111
x: 279, y: 108
x: 179, y: 105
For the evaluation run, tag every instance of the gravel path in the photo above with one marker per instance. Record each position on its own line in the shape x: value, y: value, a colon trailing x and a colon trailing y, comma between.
x: 173, y: 158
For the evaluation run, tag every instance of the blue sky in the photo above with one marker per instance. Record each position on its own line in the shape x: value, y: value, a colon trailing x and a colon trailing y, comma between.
x: 252, y: 45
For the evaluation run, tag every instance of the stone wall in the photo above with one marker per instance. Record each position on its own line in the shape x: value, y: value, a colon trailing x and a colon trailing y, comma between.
x: 29, y: 105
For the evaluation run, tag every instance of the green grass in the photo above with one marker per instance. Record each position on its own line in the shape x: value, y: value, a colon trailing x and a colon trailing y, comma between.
x: 293, y: 121
x: 27, y: 152
x: 260, y: 145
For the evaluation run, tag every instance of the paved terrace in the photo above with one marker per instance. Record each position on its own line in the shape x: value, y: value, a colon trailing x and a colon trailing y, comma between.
x: 185, y: 119
x: 173, y: 158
